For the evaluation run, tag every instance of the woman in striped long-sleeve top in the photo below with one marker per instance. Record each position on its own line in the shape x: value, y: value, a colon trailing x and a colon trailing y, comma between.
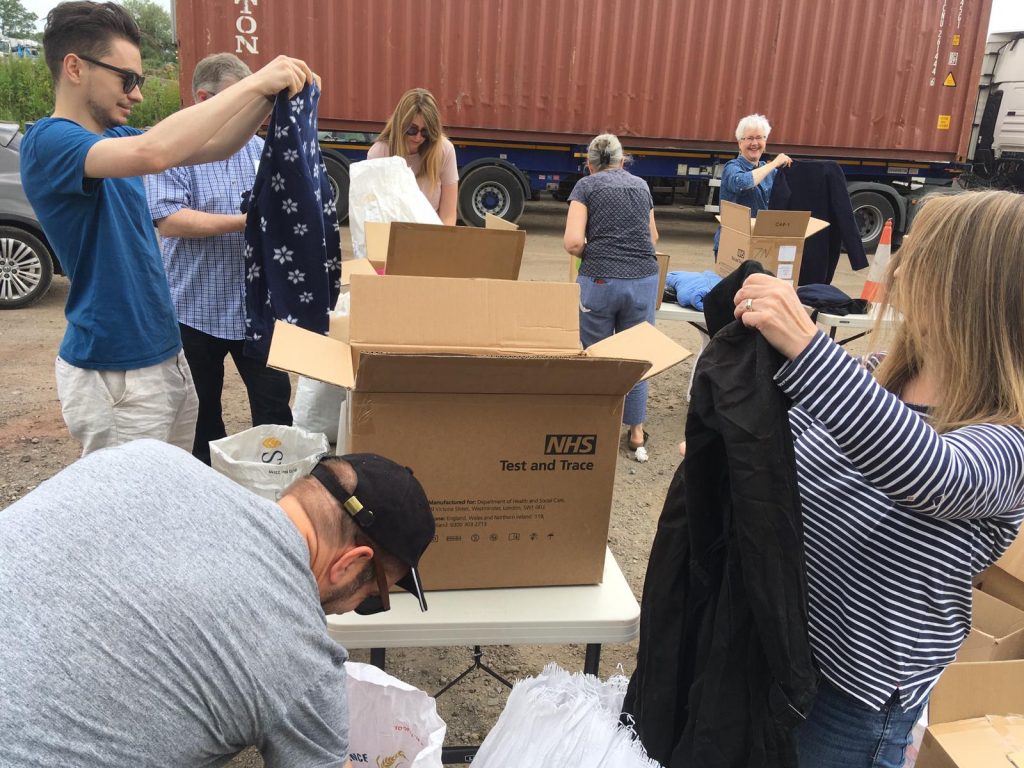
x: 911, y: 475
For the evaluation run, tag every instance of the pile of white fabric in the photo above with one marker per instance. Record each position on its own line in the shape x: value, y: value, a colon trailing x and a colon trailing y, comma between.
x: 560, y: 719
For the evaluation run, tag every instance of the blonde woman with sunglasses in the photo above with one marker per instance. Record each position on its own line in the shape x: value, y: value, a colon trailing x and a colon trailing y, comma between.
x: 414, y: 131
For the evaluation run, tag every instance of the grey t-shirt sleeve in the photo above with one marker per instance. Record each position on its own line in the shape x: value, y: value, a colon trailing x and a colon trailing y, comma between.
x: 313, y: 730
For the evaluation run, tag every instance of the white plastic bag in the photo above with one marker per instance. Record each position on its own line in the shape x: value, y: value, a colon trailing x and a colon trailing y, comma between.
x: 391, y: 722
x: 560, y: 719
x: 266, y: 459
x: 318, y: 407
x: 384, y: 190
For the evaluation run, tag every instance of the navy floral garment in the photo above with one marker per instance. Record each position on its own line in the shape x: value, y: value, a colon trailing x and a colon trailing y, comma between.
x: 292, y: 242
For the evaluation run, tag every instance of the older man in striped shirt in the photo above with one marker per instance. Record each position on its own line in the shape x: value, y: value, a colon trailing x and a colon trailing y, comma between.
x: 196, y: 210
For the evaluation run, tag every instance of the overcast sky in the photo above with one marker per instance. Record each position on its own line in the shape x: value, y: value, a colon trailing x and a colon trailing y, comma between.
x: 1007, y: 15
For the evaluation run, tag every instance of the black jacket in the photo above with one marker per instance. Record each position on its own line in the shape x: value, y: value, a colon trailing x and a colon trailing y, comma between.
x: 819, y: 186
x: 724, y: 670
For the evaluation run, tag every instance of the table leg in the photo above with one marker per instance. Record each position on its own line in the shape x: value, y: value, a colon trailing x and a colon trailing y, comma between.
x: 593, y: 659
x: 377, y: 657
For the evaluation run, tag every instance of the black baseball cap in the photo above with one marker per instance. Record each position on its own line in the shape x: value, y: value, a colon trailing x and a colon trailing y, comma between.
x: 390, y: 507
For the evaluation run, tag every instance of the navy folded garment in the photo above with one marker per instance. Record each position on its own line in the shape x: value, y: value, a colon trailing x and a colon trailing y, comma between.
x: 828, y: 298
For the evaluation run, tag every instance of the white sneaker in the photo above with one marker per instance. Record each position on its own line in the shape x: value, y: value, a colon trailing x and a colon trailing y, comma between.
x: 641, y: 454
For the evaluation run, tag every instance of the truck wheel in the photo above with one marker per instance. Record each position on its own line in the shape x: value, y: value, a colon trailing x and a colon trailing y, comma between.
x: 490, y: 189
x: 870, y: 210
x: 337, y: 174
x: 26, y: 268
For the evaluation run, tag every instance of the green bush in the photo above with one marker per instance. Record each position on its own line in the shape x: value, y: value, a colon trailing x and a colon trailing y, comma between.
x: 26, y: 92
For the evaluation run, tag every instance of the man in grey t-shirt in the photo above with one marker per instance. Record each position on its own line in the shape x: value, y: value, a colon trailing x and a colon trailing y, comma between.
x: 154, y: 613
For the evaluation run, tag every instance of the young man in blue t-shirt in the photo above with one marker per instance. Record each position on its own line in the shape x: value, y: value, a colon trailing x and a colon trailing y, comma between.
x: 121, y: 374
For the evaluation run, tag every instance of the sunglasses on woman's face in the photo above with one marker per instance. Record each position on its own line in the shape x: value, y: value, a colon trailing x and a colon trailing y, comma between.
x: 412, y: 130
x: 129, y: 80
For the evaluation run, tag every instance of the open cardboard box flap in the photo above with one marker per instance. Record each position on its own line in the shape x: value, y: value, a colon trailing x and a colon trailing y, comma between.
x: 974, y: 717
x: 997, y: 631
x: 1012, y: 560
x: 644, y: 343
x: 450, y: 313
x: 769, y: 223
x: 976, y: 689
x: 435, y: 250
x: 1005, y: 578
x: 428, y: 317
x: 356, y: 267
x: 311, y: 354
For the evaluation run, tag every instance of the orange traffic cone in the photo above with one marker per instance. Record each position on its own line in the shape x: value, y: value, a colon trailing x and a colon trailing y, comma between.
x: 880, y: 262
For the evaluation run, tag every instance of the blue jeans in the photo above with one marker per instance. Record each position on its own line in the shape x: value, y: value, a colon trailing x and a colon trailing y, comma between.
x: 609, y: 305
x: 841, y: 732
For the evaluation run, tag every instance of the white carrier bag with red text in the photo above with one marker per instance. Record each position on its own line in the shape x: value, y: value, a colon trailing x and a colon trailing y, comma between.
x: 392, y: 724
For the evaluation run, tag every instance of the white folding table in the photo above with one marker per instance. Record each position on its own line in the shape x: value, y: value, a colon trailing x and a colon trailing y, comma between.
x: 592, y: 614
x: 862, y: 324
x: 669, y: 310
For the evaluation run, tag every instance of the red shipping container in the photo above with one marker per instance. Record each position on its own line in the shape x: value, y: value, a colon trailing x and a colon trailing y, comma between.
x: 892, y: 79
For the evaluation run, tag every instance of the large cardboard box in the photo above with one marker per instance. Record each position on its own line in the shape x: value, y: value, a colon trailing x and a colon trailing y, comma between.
x: 435, y: 250
x: 480, y: 387
x: 663, y: 261
x: 774, y: 238
x: 997, y: 631
x: 1005, y: 578
x: 975, y: 717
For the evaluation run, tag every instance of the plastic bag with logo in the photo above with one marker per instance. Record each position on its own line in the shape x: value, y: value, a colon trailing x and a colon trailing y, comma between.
x: 393, y: 724
x: 266, y: 459
x: 559, y: 719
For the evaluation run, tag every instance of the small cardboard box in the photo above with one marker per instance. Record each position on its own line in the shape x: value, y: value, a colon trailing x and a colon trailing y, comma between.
x: 774, y: 238
x: 663, y: 260
x: 435, y: 250
x: 997, y: 631
x: 513, y: 430
x: 1004, y: 579
x: 974, y: 717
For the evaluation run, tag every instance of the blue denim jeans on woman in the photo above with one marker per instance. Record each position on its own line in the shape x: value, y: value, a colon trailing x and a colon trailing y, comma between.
x: 609, y: 305
x: 841, y: 732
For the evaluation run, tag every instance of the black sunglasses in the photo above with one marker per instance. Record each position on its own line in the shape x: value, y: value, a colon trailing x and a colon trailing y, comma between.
x: 130, y: 80
x: 412, y: 130
x: 382, y: 600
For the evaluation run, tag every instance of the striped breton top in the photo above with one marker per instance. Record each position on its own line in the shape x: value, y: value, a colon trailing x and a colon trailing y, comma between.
x: 897, y: 521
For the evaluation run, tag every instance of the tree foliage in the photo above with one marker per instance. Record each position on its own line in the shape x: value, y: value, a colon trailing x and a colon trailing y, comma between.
x: 16, y: 20
x: 157, y: 32
x: 26, y: 93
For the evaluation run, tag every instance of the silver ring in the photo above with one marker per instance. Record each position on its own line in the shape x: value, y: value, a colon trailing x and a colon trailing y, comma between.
x: 748, y: 305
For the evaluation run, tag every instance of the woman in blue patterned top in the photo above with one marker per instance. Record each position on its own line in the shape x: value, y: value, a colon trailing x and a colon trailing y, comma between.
x: 747, y: 179
x: 911, y: 476
x: 611, y: 226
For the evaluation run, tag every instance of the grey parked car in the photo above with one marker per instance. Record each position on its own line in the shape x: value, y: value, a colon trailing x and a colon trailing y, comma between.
x: 27, y: 264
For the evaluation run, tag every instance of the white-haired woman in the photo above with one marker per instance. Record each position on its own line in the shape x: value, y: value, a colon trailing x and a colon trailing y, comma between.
x: 747, y: 180
x: 611, y: 226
